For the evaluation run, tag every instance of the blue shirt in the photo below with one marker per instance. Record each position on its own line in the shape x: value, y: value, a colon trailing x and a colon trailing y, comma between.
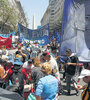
x: 47, y: 88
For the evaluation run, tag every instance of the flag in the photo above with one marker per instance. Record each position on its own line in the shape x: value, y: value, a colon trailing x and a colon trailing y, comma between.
x: 53, y: 36
x: 6, y: 41
x: 57, y: 36
x: 75, y: 33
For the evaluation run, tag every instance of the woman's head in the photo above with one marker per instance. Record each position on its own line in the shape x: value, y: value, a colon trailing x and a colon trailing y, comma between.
x: 36, y: 62
x: 46, y: 68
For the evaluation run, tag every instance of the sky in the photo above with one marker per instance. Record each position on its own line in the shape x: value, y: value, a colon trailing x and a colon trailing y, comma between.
x: 35, y: 8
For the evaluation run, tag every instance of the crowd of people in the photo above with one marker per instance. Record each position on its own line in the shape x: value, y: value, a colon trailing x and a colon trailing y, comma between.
x: 36, y: 70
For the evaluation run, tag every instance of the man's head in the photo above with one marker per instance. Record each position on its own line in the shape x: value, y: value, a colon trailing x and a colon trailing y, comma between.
x: 19, y: 47
x: 48, y: 46
x: 87, y: 65
x: 68, y: 52
x: 46, y: 55
x: 53, y: 49
x: 85, y: 74
x: 30, y: 62
x: 18, y: 62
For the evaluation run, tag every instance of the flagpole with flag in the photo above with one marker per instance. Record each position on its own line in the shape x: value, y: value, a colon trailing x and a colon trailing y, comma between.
x: 57, y: 36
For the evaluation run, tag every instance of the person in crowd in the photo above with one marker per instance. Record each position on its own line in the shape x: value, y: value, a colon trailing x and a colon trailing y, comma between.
x: 53, y: 51
x: 85, y: 75
x: 52, y: 60
x: 28, y: 65
x: 35, y: 49
x: 36, y: 72
x: 4, y: 50
x: 2, y: 71
x: 71, y: 65
x: 27, y: 51
x: 87, y: 65
x: 48, y: 48
x: 19, y: 52
x: 17, y: 72
x: 47, y: 87
x: 42, y: 60
x: 0, y: 53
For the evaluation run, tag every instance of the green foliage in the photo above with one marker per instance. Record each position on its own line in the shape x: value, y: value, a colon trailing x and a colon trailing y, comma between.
x: 7, y: 15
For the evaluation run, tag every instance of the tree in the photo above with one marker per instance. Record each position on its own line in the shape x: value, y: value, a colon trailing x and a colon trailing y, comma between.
x: 8, y: 16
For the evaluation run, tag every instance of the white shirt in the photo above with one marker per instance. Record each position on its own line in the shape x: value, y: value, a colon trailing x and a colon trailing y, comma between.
x: 55, y: 66
x: 25, y: 65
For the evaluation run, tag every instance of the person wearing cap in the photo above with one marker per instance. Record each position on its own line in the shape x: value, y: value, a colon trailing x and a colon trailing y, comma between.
x: 47, y: 87
x: 85, y: 75
x: 48, y: 48
x: 28, y: 65
x: 17, y: 66
x: 17, y: 63
x: 71, y: 65
x: 51, y: 60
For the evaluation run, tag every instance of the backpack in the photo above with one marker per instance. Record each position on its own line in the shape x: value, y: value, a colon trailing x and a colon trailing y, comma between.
x: 17, y: 79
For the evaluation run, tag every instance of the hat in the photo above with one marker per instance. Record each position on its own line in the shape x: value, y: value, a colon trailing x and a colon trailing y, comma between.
x: 48, y: 45
x: 46, y: 53
x: 47, y: 68
x: 84, y: 73
x: 4, y: 57
x: 18, y: 61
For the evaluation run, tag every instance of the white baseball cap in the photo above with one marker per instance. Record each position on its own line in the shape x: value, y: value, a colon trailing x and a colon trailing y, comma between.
x: 84, y: 73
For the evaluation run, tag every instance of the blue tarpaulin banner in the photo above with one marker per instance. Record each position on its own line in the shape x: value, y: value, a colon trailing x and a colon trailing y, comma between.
x: 40, y: 35
x: 76, y: 28
x: 7, y: 35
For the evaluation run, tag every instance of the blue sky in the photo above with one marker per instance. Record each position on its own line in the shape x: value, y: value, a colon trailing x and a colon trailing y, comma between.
x: 36, y: 8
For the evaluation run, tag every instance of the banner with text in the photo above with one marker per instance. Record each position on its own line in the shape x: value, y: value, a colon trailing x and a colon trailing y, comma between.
x: 7, y: 35
x: 40, y: 35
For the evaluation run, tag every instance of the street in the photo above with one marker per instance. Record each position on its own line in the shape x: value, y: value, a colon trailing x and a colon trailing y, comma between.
x: 73, y: 92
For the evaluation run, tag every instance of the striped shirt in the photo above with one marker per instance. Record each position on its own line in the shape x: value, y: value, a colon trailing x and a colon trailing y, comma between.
x: 86, y: 93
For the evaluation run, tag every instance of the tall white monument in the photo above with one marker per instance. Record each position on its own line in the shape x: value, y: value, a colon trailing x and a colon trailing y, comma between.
x: 33, y: 24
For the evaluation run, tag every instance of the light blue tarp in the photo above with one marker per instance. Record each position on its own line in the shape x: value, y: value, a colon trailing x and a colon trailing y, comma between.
x: 76, y: 28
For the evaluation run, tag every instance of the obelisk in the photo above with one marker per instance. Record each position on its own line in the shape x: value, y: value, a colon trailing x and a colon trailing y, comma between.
x: 33, y: 24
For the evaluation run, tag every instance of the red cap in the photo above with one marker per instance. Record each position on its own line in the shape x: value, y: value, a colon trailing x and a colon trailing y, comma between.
x: 47, y: 53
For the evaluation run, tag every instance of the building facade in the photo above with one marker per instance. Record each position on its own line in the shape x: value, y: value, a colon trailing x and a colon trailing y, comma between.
x: 58, y: 12
x: 54, y: 15
x: 46, y: 16
x: 19, y: 10
x: 51, y: 19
